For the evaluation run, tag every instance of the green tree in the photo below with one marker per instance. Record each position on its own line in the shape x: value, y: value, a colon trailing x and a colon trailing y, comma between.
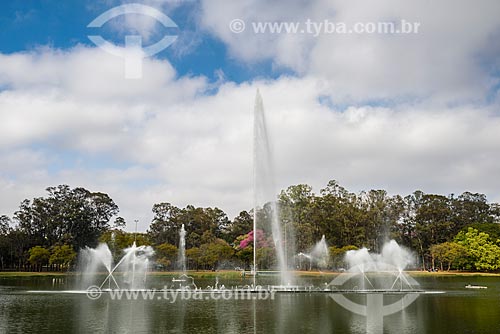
x: 492, y: 229
x: 433, y: 223
x: 337, y: 256
x: 381, y: 214
x: 73, y: 216
x: 208, y: 237
x: 166, y: 255
x: 4, y: 224
x: 118, y: 240
x: 266, y: 258
x: 242, y: 224
x: 295, y: 203
x: 4, y: 240
x: 341, y: 216
x: 470, y: 208
x: 215, y: 252
x: 245, y: 255
x: 448, y: 253
x: 304, y: 236
x: 168, y: 220
x: 119, y: 223
x: 39, y: 256
x: 62, y: 256
x: 18, y: 244
x: 166, y: 224
x: 484, y: 254
x: 193, y: 238
x: 296, y: 209
x: 193, y: 256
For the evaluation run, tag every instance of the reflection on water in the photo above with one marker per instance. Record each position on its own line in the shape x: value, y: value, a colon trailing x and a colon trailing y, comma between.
x: 458, y: 310
x: 106, y: 315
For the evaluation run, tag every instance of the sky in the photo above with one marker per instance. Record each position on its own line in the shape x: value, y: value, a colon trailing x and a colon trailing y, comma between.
x: 373, y: 110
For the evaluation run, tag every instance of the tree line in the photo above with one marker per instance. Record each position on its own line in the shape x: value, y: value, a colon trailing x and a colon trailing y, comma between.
x: 446, y: 232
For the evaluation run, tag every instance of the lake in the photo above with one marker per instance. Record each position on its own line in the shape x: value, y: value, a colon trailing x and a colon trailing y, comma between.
x: 456, y: 310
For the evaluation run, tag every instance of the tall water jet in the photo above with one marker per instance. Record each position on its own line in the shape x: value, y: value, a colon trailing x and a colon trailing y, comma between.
x: 265, y: 191
x: 321, y: 253
x: 182, y: 249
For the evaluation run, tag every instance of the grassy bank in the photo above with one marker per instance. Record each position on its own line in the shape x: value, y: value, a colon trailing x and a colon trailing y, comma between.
x: 450, y: 273
x: 197, y: 274
x: 30, y: 273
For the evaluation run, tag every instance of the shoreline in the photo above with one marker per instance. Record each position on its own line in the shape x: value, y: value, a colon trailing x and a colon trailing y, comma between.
x: 238, y: 274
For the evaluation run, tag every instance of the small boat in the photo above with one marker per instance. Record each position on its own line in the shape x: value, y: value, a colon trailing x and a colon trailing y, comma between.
x: 248, y: 273
x: 470, y: 286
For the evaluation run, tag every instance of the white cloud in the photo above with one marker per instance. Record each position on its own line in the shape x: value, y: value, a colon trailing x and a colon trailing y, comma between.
x: 445, y: 60
x: 71, y: 117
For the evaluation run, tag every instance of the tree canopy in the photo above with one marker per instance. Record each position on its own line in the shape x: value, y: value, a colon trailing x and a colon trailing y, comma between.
x: 453, y: 232
x: 66, y: 218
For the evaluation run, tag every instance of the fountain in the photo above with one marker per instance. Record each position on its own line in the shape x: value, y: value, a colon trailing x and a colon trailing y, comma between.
x: 182, y: 250
x: 265, y: 192
x: 376, y: 276
x: 370, y: 278
x: 93, y: 261
x: 129, y: 273
x: 319, y: 255
x: 183, y: 282
x: 390, y: 263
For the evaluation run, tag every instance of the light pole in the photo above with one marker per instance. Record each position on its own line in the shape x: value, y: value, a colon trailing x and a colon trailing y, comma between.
x: 285, y: 224
x: 135, y: 233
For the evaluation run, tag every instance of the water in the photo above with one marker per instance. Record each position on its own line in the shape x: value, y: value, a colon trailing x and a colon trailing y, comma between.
x: 129, y: 273
x: 265, y: 190
x: 382, y: 271
x: 182, y: 249
x: 92, y: 261
x: 459, y: 310
x: 319, y: 255
x: 346, y: 303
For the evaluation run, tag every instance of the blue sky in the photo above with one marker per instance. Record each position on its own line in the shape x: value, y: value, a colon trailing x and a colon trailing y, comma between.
x: 398, y: 112
x: 27, y: 25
